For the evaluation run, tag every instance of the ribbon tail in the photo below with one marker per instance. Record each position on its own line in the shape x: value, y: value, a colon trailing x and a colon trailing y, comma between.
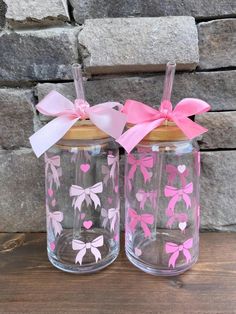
x: 96, y: 253
x: 104, y: 120
x: 80, y: 255
x: 145, y: 228
x: 133, y: 224
x: 172, y: 202
x: 187, y: 200
x: 50, y: 134
x: 134, y: 135
x: 191, y: 129
x: 173, y: 259
x: 57, y: 227
x: 95, y: 199
x: 145, y: 173
x: 132, y: 172
x: 187, y: 255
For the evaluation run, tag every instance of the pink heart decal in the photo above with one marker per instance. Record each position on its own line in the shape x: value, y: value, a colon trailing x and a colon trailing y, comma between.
x: 52, y: 246
x: 182, y: 225
x: 137, y: 251
x: 87, y: 224
x: 85, y: 167
x: 82, y: 216
x: 181, y: 168
x: 116, y: 188
x: 50, y: 192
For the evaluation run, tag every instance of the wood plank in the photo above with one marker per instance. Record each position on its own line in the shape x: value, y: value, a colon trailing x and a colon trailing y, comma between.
x: 29, y: 284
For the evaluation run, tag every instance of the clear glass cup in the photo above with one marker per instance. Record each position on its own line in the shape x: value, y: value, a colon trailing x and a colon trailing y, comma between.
x: 162, y: 206
x: 82, y: 203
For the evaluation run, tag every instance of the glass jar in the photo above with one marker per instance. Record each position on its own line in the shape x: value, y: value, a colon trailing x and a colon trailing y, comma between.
x: 162, y: 202
x: 82, y: 200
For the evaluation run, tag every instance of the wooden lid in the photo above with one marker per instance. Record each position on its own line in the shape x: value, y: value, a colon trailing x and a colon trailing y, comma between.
x: 164, y: 133
x: 84, y: 130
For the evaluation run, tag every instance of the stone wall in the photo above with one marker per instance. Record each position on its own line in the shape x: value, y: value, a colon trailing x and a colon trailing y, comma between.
x: 123, y: 46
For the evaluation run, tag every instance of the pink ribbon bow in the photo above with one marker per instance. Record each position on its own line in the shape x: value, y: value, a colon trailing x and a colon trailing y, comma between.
x: 67, y: 113
x: 80, y: 194
x: 112, y: 161
x: 55, y: 219
x: 146, y: 119
x: 144, y: 219
x: 180, y: 171
x: 112, y: 215
x: 142, y: 197
x: 82, y: 247
x: 143, y: 163
x: 178, y: 194
x: 53, y: 162
x: 176, y: 249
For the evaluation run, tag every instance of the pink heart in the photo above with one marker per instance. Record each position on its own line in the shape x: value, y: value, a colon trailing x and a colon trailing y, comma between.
x: 137, y: 251
x: 182, y: 225
x: 109, y: 199
x: 53, y: 202
x: 181, y: 168
x: 85, y: 167
x: 116, y: 188
x: 82, y: 216
x: 87, y: 224
x: 139, y: 196
x: 52, y: 246
x: 50, y: 192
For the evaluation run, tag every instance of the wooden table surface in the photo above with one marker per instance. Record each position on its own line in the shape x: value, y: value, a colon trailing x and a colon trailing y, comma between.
x: 30, y: 284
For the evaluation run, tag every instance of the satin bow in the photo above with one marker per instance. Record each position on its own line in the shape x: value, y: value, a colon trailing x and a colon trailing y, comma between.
x: 68, y: 113
x: 53, y: 162
x: 89, y: 194
x: 112, y: 161
x: 142, y: 197
x: 143, y: 163
x: 176, y: 249
x: 177, y: 194
x: 55, y: 219
x: 146, y: 119
x: 82, y: 247
x: 112, y: 215
x: 144, y: 219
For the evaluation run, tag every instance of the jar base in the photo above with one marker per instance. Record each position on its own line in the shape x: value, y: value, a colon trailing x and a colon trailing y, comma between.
x: 147, y: 268
x: 63, y: 257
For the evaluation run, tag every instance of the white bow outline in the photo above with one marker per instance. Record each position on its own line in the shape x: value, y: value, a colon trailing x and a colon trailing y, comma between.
x: 88, y: 194
x: 83, y: 247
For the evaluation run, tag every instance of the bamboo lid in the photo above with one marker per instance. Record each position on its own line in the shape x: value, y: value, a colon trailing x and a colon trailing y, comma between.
x: 164, y: 133
x: 84, y: 130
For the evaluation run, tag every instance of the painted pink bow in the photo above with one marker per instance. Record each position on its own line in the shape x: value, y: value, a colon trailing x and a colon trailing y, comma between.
x: 55, y: 219
x: 144, y: 220
x: 112, y: 215
x: 112, y: 161
x: 175, y: 249
x: 89, y: 194
x: 67, y: 113
x: 143, y: 196
x: 53, y: 162
x: 82, y: 247
x: 178, y: 194
x: 146, y: 119
x: 143, y: 163
x: 180, y: 171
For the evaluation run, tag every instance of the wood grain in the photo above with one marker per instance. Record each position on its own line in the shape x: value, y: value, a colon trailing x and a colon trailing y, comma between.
x: 29, y: 284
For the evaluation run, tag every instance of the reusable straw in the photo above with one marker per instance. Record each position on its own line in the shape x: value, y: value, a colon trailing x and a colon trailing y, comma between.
x: 78, y: 81
x: 79, y: 88
x: 167, y: 90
